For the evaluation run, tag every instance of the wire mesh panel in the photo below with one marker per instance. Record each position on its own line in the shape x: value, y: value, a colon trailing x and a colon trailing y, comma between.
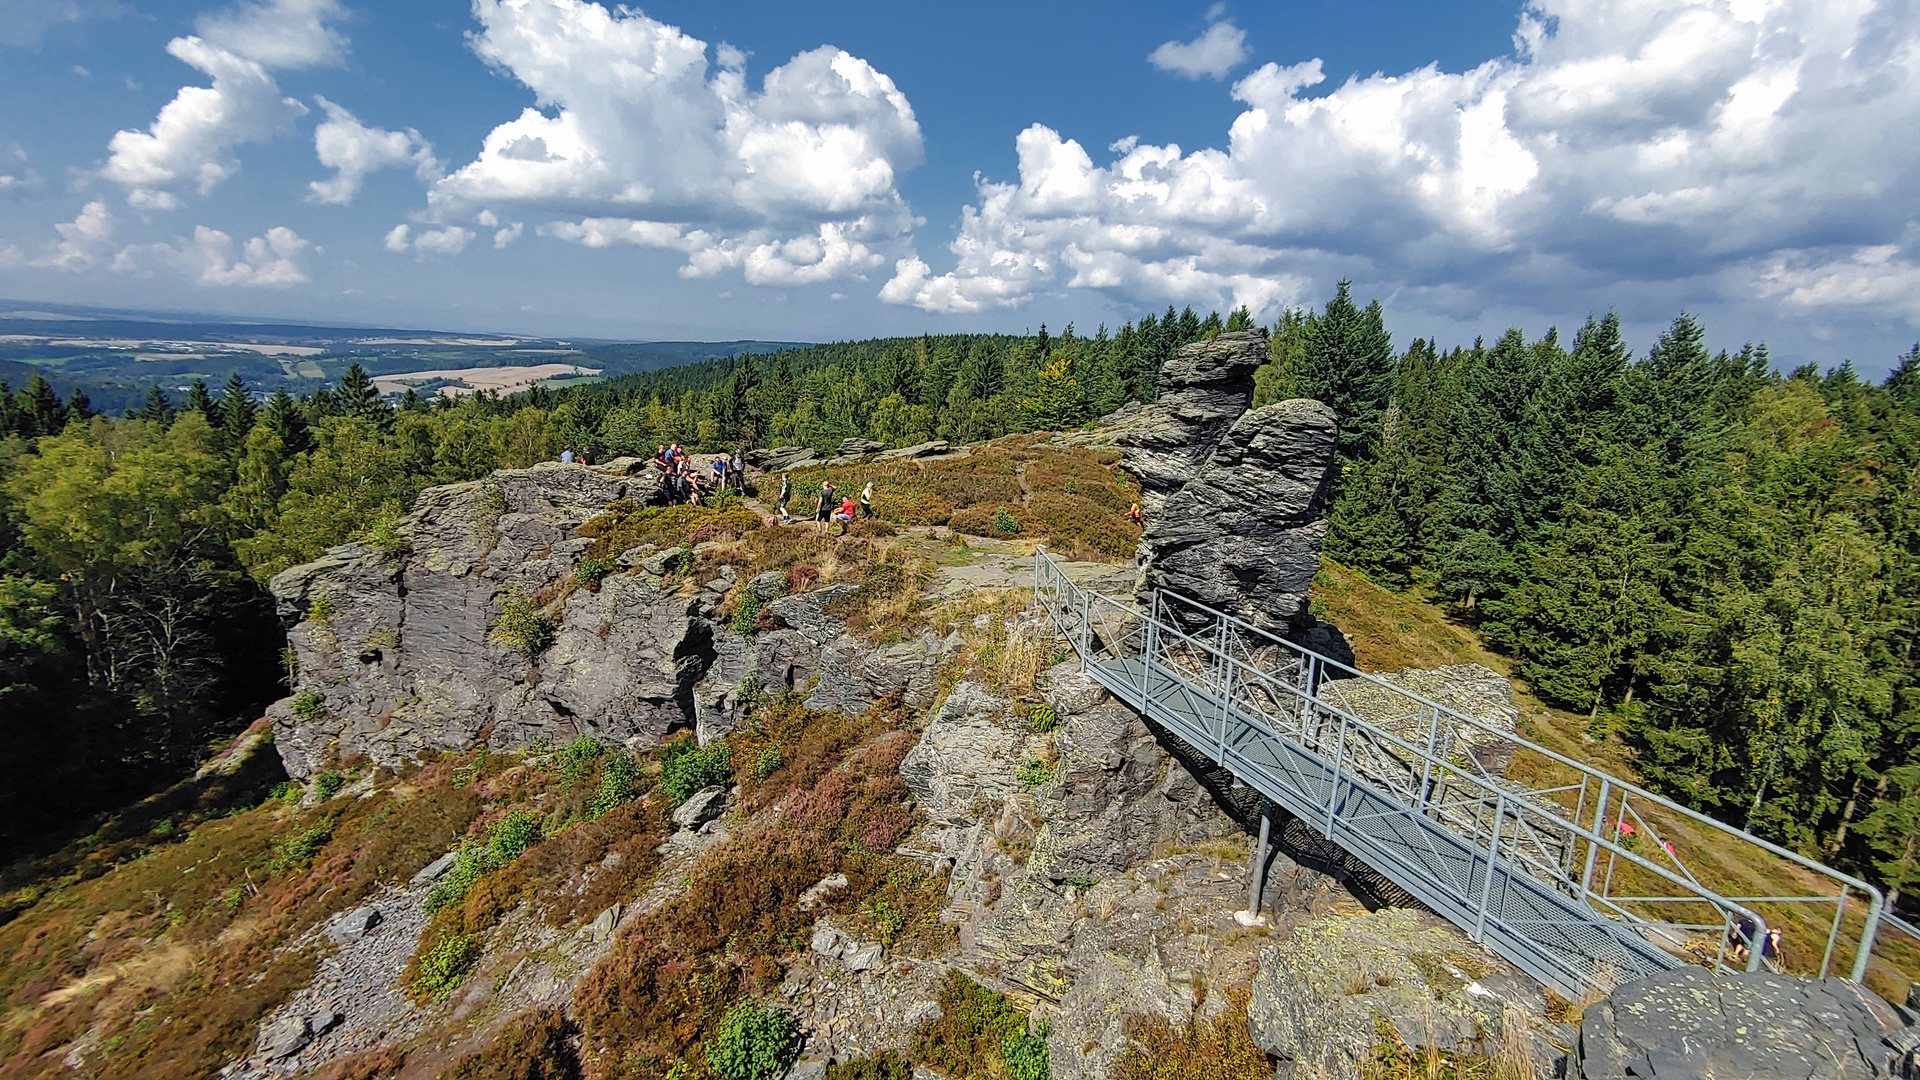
x: 1572, y: 874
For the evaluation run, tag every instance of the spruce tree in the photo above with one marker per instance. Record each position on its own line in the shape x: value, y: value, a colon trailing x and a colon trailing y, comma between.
x: 1241, y: 319
x: 79, y: 406
x: 1347, y: 363
x: 199, y: 400
x: 359, y: 397
x: 41, y: 410
x: 236, y: 414
x: 283, y: 416
x: 155, y: 407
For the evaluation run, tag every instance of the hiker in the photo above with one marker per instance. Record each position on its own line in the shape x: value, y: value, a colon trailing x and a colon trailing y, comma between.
x: 824, y: 512
x: 586, y: 457
x: 786, y: 492
x: 660, y: 459
x: 720, y: 473
x: 866, y: 500
x: 1134, y: 515
x: 1740, y: 936
x: 739, y: 470
x: 566, y: 456
x: 845, y: 515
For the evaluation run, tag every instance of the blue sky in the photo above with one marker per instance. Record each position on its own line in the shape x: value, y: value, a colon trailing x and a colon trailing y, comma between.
x: 745, y: 169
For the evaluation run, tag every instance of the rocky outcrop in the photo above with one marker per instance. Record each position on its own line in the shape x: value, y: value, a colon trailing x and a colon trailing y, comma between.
x: 1244, y: 533
x: 1236, y: 501
x: 1691, y: 1022
x: 398, y: 654
x: 1203, y: 390
x: 1319, y: 1000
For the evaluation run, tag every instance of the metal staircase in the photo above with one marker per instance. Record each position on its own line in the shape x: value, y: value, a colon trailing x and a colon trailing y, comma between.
x: 1580, y: 879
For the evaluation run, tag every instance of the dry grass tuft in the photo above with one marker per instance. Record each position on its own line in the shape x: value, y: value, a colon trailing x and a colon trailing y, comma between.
x: 1220, y: 1048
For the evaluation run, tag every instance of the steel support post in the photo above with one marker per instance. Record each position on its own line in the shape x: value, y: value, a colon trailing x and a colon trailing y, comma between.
x: 1593, y: 846
x: 1260, y: 853
x: 1493, y: 858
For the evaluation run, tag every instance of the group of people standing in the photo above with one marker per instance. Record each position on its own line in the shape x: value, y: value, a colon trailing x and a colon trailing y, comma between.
x: 832, y: 509
x: 684, y: 481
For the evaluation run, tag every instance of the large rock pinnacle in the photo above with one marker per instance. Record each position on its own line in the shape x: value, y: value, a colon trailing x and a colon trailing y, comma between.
x: 1236, y: 501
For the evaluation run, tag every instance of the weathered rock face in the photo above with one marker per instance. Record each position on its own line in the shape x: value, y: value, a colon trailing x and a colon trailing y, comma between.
x: 1690, y: 1022
x: 397, y: 656
x: 1316, y: 999
x: 398, y: 648
x: 1243, y: 534
x: 1203, y: 389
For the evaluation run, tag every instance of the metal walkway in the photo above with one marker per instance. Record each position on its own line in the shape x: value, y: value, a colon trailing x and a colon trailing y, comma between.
x: 1580, y: 879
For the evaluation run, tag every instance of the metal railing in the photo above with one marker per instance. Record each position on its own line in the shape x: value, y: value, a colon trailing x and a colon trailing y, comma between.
x: 1582, y: 879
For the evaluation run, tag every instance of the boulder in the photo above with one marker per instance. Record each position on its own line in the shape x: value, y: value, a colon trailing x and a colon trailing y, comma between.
x: 354, y: 925
x: 779, y: 458
x: 1315, y: 1000
x: 701, y: 807
x: 1243, y: 534
x: 1203, y: 389
x: 918, y: 450
x: 863, y: 957
x: 855, y: 447
x: 283, y: 1038
x: 434, y: 870
x: 605, y: 923
x: 1690, y: 1022
x: 829, y: 942
x: 966, y: 753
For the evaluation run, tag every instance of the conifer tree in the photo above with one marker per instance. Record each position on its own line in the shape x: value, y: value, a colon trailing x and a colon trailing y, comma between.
x: 1347, y: 362
x: 235, y: 414
x: 358, y: 396
x: 199, y: 400
x: 79, y: 406
x: 155, y: 407
x: 282, y: 415
x: 1241, y: 319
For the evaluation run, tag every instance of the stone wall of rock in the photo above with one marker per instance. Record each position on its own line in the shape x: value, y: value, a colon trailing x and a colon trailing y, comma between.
x: 396, y: 654
x: 1236, y: 501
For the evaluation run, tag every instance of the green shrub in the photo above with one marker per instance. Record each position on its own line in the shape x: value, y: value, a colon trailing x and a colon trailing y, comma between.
x: 329, y: 783
x: 513, y: 834
x: 1036, y: 772
x: 591, y: 571
x: 385, y: 532
x: 444, y: 966
x: 576, y: 759
x: 1025, y: 1054
x: 972, y: 1032
x: 286, y: 791
x: 472, y: 863
x: 685, y: 768
x: 521, y: 627
x: 754, y: 1042
x: 619, y: 783
x: 295, y: 851
x: 310, y: 706
x: 769, y: 763
x: 320, y: 607
x: 887, y: 920
x: 1042, y: 717
x: 1005, y: 522
x: 746, y: 617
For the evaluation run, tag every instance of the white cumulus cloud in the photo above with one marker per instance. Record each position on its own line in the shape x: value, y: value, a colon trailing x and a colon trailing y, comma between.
x: 271, y: 261
x: 1217, y: 51
x: 353, y: 150
x: 441, y: 243
x: 190, y: 143
x: 646, y: 143
x: 83, y: 242
x: 1744, y: 144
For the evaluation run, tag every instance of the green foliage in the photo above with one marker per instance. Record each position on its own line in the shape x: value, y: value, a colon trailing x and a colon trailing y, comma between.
x: 445, y: 966
x: 309, y: 705
x: 1005, y: 522
x: 886, y: 1065
x: 754, y: 1042
x: 1042, y: 716
x: 768, y: 763
x: 686, y: 768
x: 746, y: 617
x: 513, y: 834
x: 619, y: 783
x: 887, y: 920
x: 506, y: 840
x: 385, y: 533
x: 1034, y: 772
x: 329, y: 783
x: 975, y: 1029
x: 521, y: 627
x: 320, y: 607
x: 295, y: 851
x: 286, y: 791
x: 591, y: 571
x: 1025, y: 1054
x: 576, y: 759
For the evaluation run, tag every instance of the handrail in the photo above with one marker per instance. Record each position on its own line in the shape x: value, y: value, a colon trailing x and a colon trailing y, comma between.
x: 1545, y: 856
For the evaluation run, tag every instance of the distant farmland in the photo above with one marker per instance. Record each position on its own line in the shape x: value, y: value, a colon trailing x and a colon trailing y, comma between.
x: 457, y: 382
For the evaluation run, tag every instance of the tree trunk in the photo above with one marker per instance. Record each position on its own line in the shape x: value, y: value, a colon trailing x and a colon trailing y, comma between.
x: 1846, y: 819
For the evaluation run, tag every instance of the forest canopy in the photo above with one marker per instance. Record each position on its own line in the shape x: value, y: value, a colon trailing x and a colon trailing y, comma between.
x: 1712, y: 560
